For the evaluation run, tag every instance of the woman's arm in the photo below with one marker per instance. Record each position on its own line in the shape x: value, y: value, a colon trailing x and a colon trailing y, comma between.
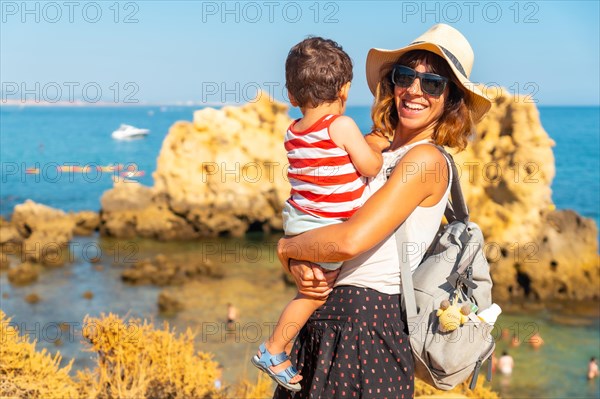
x: 420, y: 178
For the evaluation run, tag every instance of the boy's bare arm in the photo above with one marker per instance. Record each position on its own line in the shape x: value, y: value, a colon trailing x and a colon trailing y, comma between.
x: 377, y: 142
x: 366, y: 157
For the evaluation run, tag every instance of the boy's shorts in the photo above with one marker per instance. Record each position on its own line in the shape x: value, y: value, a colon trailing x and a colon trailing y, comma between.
x: 296, y: 222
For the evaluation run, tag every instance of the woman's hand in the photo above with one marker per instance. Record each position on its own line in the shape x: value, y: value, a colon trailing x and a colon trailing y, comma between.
x: 309, y: 277
x: 311, y: 280
x: 378, y: 142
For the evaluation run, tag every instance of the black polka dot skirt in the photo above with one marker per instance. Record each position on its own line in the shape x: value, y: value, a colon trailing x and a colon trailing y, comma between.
x: 354, y: 346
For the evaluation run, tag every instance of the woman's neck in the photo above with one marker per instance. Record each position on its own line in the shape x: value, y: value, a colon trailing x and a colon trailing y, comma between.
x: 404, y: 138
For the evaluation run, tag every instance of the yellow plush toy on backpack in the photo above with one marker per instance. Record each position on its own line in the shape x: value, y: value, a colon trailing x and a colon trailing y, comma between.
x: 451, y: 317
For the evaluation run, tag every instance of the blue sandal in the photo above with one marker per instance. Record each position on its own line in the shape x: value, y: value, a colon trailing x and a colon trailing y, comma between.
x: 268, y: 360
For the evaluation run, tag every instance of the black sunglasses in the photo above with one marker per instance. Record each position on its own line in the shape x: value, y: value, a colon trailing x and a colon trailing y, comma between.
x: 432, y: 84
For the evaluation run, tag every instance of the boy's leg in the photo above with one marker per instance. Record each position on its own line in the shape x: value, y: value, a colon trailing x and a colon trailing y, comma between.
x: 297, y: 312
x: 292, y: 319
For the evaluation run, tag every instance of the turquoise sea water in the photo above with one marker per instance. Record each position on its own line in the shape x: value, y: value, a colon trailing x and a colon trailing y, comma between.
x: 46, y: 137
x: 557, y: 370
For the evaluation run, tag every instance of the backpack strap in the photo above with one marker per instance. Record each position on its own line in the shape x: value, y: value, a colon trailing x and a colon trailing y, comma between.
x: 406, y: 281
x: 456, y: 209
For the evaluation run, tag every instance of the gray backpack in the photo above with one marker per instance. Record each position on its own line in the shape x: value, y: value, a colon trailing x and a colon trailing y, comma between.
x: 454, y: 268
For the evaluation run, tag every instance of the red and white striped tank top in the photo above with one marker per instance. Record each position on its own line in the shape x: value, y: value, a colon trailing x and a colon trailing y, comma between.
x: 324, y: 181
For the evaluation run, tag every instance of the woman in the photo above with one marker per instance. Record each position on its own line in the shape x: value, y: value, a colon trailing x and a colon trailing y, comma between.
x: 356, y: 344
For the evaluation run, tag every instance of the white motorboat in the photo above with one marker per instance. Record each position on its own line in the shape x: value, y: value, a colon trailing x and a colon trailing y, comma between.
x: 125, y: 132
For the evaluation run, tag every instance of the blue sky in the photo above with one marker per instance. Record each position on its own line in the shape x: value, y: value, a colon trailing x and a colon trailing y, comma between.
x: 214, y: 51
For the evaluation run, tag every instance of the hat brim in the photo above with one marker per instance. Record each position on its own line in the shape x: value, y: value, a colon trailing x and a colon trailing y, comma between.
x: 380, y: 62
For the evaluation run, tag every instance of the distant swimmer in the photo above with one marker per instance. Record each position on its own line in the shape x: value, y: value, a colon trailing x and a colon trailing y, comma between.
x: 536, y: 341
x: 232, y: 314
x: 219, y: 377
x: 506, y: 363
x: 592, y: 369
x: 514, y: 342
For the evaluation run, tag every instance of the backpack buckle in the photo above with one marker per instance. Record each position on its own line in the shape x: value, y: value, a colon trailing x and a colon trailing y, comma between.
x: 456, y: 279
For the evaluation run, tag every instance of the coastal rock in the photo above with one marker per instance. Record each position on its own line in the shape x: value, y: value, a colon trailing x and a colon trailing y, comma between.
x: 506, y: 171
x: 45, y: 232
x: 163, y: 271
x: 32, y: 298
x: 23, y: 274
x: 87, y: 295
x: 168, y: 303
x: 223, y: 173
x: 535, y: 252
x: 130, y: 210
x: 10, y: 242
x: 9, y: 234
x: 9, y: 250
x: 4, y: 262
x: 41, y: 234
x: 560, y: 264
x: 86, y: 222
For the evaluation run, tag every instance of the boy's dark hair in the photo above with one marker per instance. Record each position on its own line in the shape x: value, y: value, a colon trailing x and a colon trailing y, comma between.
x: 315, y: 71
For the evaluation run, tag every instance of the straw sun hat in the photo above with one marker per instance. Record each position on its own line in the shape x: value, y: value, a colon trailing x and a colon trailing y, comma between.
x: 444, y: 41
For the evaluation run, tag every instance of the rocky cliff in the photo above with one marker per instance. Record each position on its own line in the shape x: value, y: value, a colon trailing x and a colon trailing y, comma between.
x: 535, y: 250
x: 38, y: 236
x: 224, y: 173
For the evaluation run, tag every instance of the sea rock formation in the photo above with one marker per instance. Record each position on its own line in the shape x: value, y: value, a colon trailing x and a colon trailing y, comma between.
x: 224, y: 173
x: 23, y: 274
x: 86, y: 222
x: 535, y: 251
x: 4, y: 263
x: 45, y: 232
x: 39, y: 226
x: 9, y: 233
x: 163, y: 271
x: 130, y: 209
x: 40, y: 234
x: 168, y: 303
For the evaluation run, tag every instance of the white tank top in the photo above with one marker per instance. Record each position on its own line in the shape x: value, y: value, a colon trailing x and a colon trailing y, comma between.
x: 379, y: 267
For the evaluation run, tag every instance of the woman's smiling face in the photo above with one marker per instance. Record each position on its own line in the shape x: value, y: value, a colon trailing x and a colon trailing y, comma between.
x: 417, y: 111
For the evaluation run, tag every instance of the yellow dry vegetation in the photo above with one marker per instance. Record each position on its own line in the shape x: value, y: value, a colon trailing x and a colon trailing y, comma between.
x: 137, y: 360
x: 263, y: 388
x: 481, y: 391
x: 27, y: 373
x: 134, y: 360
